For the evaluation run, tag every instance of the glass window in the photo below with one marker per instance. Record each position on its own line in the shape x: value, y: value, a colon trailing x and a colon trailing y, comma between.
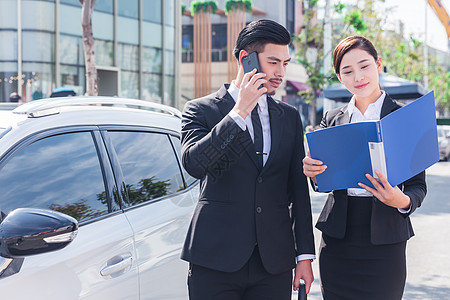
x: 151, y: 87
x: 71, y: 2
x: 70, y: 18
x: 102, y: 25
x: 38, y: 46
x: 60, y: 172
x: 71, y: 50
x: 151, y: 60
x: 169, y: 63
x: 104, y: 6
x: 169, y: 12
x: 37, y: 77
x: 129, y: 84
x: 151, y: 34
x: 8, y: 14
x: 38, y: 15
x: 148, y: 165
x: 104, y: 55
x: 8, y: 80
x: 169, y: 37
x: 128, y: 8
x: 169, y: 92
x: 177, y: 145
x: 127, y: 30
x: 8, y: 46
x: 128, y: 57
x: 151, y: 10
x: 73, y: 77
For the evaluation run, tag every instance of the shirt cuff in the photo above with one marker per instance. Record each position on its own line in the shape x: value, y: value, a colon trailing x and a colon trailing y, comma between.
x: 306, y: 257
x: 238, y: 119
x: 403, y: 211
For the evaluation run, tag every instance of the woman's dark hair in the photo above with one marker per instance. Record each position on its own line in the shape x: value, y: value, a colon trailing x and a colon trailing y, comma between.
x: 257, y: 34
x: 349, y: 43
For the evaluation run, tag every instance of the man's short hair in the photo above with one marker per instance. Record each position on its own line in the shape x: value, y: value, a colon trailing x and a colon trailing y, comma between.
x: 257, y: 34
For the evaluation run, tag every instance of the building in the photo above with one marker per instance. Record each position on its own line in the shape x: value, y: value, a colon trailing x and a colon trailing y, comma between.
x: 285, y: 12
x: 136, y: 46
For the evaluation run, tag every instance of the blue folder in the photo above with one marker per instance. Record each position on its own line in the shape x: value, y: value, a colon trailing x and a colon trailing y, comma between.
x: 400, y: 145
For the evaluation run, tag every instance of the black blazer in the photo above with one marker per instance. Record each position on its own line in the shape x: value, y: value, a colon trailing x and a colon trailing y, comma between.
x: 242, y: 203
x: 388, y: 225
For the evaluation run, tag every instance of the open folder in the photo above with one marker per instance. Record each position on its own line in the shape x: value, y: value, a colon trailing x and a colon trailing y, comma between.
x: 400, y: 145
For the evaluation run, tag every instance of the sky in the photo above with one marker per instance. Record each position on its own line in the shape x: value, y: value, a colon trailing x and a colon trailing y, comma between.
x: 412, y: 14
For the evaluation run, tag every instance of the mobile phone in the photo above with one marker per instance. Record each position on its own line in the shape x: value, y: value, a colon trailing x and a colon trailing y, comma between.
x: 302, y: 292
x: 250, y: 62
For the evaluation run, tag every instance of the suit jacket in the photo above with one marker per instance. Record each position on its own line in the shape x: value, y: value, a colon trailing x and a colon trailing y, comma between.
x: 388, y: 225
x: 243, y: 204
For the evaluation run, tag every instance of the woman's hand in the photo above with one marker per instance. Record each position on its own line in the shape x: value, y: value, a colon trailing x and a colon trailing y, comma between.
x: 387, y: 194
x: 312, y: 167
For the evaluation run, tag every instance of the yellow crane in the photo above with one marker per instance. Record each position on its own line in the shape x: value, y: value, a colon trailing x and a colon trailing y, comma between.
x: 442, y: 14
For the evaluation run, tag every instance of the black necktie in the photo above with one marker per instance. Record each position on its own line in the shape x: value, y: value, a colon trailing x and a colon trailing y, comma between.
x: 257, y: 134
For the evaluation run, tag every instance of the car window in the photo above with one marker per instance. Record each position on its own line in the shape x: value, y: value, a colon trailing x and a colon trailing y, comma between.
x: 60, y: 172
x: 177, y: 145
x: 148, y: 165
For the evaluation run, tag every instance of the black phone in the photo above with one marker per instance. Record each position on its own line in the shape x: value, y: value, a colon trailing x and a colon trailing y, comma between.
x: 250, y: 62
x: 302, y: 292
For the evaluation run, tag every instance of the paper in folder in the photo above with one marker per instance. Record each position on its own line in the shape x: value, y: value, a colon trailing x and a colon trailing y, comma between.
x: 400, y: 145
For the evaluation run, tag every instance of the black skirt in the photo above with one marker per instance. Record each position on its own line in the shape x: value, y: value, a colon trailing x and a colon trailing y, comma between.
x: 353, y: 268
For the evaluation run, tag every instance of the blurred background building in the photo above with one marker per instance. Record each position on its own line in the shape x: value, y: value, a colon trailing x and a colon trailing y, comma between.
x: 135, y: 45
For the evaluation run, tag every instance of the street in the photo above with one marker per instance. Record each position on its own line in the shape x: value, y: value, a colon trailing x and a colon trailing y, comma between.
x: 428, y: 256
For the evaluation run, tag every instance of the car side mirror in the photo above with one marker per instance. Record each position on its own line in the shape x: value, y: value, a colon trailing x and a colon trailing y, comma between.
x: 30, y: 231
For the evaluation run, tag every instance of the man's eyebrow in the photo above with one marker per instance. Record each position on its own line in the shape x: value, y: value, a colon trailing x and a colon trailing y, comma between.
x: 277, y: 59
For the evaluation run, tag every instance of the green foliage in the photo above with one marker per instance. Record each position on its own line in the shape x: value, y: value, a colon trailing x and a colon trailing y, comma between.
x: 204, y: 6
x: 339, y: 7
x: 183, y: 8
x: 232, y: 5
x: 355, y: 19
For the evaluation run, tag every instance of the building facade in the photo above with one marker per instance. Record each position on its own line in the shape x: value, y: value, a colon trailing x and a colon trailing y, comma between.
x: 136, y: 44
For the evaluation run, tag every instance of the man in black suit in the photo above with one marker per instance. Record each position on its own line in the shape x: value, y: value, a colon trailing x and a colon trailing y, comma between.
x: 253, y: 223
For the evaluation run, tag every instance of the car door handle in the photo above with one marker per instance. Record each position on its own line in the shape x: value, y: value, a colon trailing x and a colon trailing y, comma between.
x: 117, y: 267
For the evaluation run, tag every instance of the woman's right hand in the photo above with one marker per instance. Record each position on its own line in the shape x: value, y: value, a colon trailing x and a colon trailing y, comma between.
x: 312, y: 167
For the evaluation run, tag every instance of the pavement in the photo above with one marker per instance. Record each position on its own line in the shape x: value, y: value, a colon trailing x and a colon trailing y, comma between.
x: 428, y: 252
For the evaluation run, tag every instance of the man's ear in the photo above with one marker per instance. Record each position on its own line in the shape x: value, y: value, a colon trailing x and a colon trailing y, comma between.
x: 242, y: 53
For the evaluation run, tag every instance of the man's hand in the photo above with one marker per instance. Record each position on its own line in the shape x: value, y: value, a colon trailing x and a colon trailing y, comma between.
x: 386, y: 193
x: 303, y: 270
x: 249, y: 93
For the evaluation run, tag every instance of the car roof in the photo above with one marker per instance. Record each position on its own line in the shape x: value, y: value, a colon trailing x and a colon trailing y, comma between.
x: 98, y: 111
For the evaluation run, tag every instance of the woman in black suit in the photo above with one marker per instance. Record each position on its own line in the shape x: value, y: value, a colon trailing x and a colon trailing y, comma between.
x: 364, y: 230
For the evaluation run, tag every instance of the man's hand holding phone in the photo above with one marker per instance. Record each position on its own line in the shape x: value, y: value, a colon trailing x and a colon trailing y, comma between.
x: 250, y: 88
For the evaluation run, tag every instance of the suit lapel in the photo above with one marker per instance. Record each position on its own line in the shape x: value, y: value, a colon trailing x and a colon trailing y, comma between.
x: 389, y: 106
x: 225, y: 103
x: 343, y: 117
x: 276, y: 116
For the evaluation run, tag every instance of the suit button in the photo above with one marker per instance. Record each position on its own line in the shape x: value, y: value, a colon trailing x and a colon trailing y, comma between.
x: 258, y: 210
x: 260, y: 180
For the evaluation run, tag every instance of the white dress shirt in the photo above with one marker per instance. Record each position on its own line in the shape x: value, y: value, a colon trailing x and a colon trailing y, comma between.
x: 263, y: 112
x: 372, y: 113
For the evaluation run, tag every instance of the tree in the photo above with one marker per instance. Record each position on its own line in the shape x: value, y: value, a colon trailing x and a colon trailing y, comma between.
x: 88, y: 45
x: 310, y: 50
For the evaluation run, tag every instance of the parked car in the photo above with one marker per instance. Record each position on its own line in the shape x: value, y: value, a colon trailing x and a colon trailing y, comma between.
x: 94, y: 201
x: 444, y: 142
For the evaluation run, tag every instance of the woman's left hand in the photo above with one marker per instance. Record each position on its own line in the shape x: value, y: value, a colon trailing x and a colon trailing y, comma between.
x: 387, y: 194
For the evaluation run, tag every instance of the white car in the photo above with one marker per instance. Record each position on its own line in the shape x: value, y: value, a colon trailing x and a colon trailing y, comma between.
x: 444, y: 142
x: 94, y: 201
